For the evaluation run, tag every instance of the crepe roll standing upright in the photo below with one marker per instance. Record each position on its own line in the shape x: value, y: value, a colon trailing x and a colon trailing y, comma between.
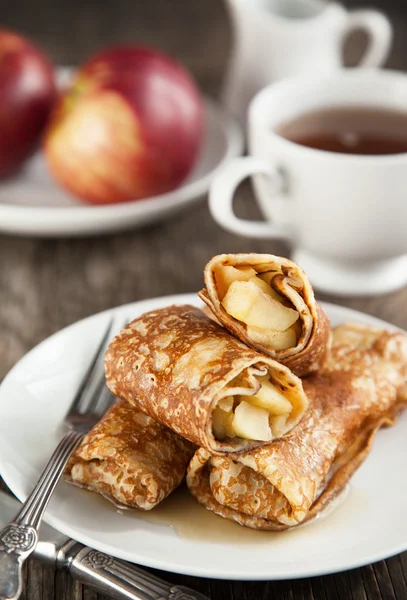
x: 188, y: 373
x: 130, y: 459
x: 268, y: 303
x: 362, y: 387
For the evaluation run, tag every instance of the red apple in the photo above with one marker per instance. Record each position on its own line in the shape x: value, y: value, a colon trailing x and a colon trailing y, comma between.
x: 130, y: 127
x: 27, y: 95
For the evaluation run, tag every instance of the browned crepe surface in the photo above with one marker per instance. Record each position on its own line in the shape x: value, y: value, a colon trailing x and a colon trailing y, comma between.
x: 292, y: 283
x: 175, y: 363
x: 361, y: 388
x: 130, y: 459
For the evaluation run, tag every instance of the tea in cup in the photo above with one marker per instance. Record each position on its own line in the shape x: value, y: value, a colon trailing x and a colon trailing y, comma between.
x: 328, y: 157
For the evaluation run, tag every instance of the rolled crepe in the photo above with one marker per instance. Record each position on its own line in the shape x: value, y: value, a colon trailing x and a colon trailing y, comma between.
x: 268, y: 303
x: 190, y: 374
x: 130, y: 459
x: 291, y: 480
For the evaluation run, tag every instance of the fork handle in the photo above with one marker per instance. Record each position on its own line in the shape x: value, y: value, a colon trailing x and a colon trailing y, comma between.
x: 17, y: 541
x: 19, y: 538
x: 120, y: 579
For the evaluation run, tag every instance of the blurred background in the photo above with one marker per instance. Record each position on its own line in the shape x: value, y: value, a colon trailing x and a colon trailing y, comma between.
x: 197, y: 32
x: 46, y: 284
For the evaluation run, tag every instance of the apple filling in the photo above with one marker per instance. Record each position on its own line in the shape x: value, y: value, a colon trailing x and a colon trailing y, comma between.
x: 249, y: 297
x: 261, y: 417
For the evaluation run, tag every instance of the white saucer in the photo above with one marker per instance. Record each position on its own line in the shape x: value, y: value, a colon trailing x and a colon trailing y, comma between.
x: 367, y: 526
x: 32, y: 204
x: 363, y: 278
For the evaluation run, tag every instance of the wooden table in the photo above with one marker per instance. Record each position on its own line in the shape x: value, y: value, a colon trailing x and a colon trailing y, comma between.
x: 48, y: 284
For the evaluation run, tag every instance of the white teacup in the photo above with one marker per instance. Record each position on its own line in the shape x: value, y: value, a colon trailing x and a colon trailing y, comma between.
x: 344, y: 214
x: 274, y: 39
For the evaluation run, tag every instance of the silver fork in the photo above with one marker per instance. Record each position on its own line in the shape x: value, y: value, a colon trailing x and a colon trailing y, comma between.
x: 20, y: 536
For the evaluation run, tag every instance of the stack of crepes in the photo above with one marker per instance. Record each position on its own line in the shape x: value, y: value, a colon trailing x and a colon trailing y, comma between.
x: 223, y: 394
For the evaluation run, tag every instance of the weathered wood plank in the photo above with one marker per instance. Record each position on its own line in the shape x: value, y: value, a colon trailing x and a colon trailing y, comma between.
x: 48, y: 284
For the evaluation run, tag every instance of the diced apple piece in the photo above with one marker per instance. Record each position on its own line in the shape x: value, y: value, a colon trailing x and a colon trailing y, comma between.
x: 268, y: 276
x: 277, y: 340
x: 271, y: 399
x: 219, y: 418
x: 248, y: 271
x: 226, y: 404
x: 222, y: 422
x: 278, y: 425
x: 267, y: 289
x: 252, y: 423
x: 225, y: 276
x: 246, y: 302
x: 229, y: 429
x: 239, y: 299
x: 270, y: 314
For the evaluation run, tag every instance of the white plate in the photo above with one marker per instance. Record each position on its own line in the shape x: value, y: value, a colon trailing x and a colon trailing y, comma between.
x: 369, y: 525
x: 31, y: 203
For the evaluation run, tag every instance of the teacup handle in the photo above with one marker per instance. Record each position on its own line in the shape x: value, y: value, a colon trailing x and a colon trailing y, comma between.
x: 379, y: 30
x: 222, y: 192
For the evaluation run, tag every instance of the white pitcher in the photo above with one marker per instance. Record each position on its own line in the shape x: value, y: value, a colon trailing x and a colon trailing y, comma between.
x: 274, y: 39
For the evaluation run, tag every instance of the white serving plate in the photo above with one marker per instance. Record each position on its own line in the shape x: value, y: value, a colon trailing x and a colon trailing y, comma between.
x: 368, y: 525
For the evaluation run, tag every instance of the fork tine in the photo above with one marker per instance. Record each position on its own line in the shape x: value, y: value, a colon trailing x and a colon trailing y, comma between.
x: 103, y: 401
x: 102, y: 398
x: 93, y: 367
